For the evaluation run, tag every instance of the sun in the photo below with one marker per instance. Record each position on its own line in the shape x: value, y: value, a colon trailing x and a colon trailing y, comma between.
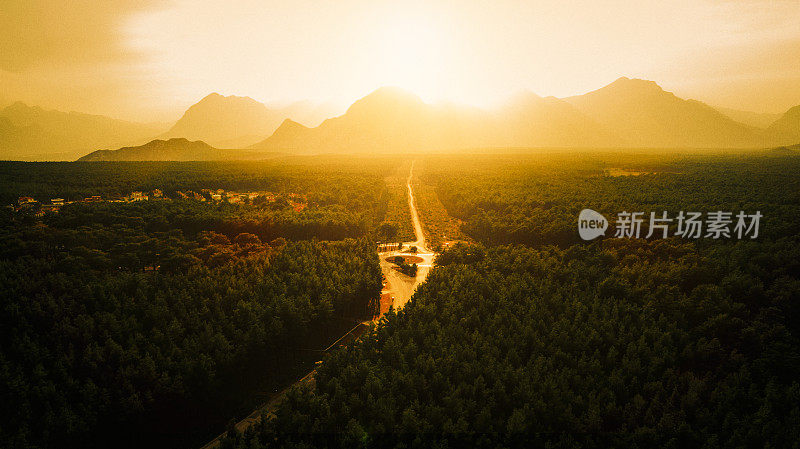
x: 411, y: 52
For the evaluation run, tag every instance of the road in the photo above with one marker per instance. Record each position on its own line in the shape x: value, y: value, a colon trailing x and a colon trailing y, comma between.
x: 412, y: 207
x: 401, y: 286
x: 268, y: 408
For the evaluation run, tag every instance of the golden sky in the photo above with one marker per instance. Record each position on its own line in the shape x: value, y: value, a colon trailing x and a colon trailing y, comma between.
x: 149, y: 60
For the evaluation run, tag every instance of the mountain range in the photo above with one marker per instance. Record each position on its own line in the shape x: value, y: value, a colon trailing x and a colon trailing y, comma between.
x: 755, y: 119
x: 394, y: 120
x: 644, y: 115
x: 238, y: 122
x: 626, y: 113
x: 33, y: 133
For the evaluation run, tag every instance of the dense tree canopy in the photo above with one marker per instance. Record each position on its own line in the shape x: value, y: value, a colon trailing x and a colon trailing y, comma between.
x: 621, y: 343
x: 563, y: 343
x: 149, y: 324
x: 326, y: 180
x: 140, y: 324
x: 536, y: 200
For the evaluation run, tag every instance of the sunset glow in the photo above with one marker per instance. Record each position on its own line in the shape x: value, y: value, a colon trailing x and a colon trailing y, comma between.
x: 262, y: 224
x: 151, y: 60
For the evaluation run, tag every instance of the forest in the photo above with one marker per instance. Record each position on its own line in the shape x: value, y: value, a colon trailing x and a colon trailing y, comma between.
x: 534, y: 200
x: 517, y: 342
x: 397, y: 225
x: 325, y: 179
x: 344, y: 197
x: 152, y: 323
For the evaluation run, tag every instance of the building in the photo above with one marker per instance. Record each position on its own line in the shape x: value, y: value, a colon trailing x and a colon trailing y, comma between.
x: 137, y: 196
x: 50, y: 208
x: 25, y: 199
x: 57, y: 201
x: 158, y: 193
x: 92, y: 199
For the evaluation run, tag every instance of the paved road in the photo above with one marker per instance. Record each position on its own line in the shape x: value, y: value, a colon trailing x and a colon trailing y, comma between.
x: 400, y: 286
x: 418, y: 234
x: 272, y: 403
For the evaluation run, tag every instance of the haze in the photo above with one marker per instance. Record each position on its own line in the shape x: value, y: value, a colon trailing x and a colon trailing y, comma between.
x: 148, y: 61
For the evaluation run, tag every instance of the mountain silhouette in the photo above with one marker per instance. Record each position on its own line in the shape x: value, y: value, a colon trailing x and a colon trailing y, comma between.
x: 529, y: 120
x: 628, y: 113
x: 786, y: 130
x: 176, y: 149
x: 30, y: 132
x: 231, y: 121
x: 237, y: 122
x: 389, y: 119
x: 756, y: 119
x: 645, y: 115
x: 394, y: 120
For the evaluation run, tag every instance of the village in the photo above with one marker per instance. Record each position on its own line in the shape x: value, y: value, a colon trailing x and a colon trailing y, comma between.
x: 297, y: 201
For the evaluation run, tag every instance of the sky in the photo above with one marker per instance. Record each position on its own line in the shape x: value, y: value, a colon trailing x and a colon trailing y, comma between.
x: 148, y: 60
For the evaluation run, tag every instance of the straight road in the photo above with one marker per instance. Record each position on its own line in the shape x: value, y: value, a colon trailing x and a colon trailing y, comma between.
x: 418, y: 234
x: 272, y: 403
x: 399, y: 286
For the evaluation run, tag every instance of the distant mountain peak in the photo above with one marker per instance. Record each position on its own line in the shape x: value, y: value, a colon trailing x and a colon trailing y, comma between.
x: 386, y: 97
x: 236, y: 122
x: 643, y: 114
x: 786, y: 130
x: 158, y: 143
x: 162, y: 150
x: 637, y: 84
x: 18, y: 105
x: 793, y: 112
x: 523, y: 98
x: 225, y: 121
x: 215, y: 97
x: 286, y: 133
x: 291, y: 124
x: 177, y: 140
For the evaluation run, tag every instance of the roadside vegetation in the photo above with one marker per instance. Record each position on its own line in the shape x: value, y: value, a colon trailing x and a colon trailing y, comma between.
x: 355, y: 183
x: 397, y: 226
x: 439, y: 226
x: 409, y: 269
x: 534, y: 338
x: 534, y: 200
x: 153, y: 323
